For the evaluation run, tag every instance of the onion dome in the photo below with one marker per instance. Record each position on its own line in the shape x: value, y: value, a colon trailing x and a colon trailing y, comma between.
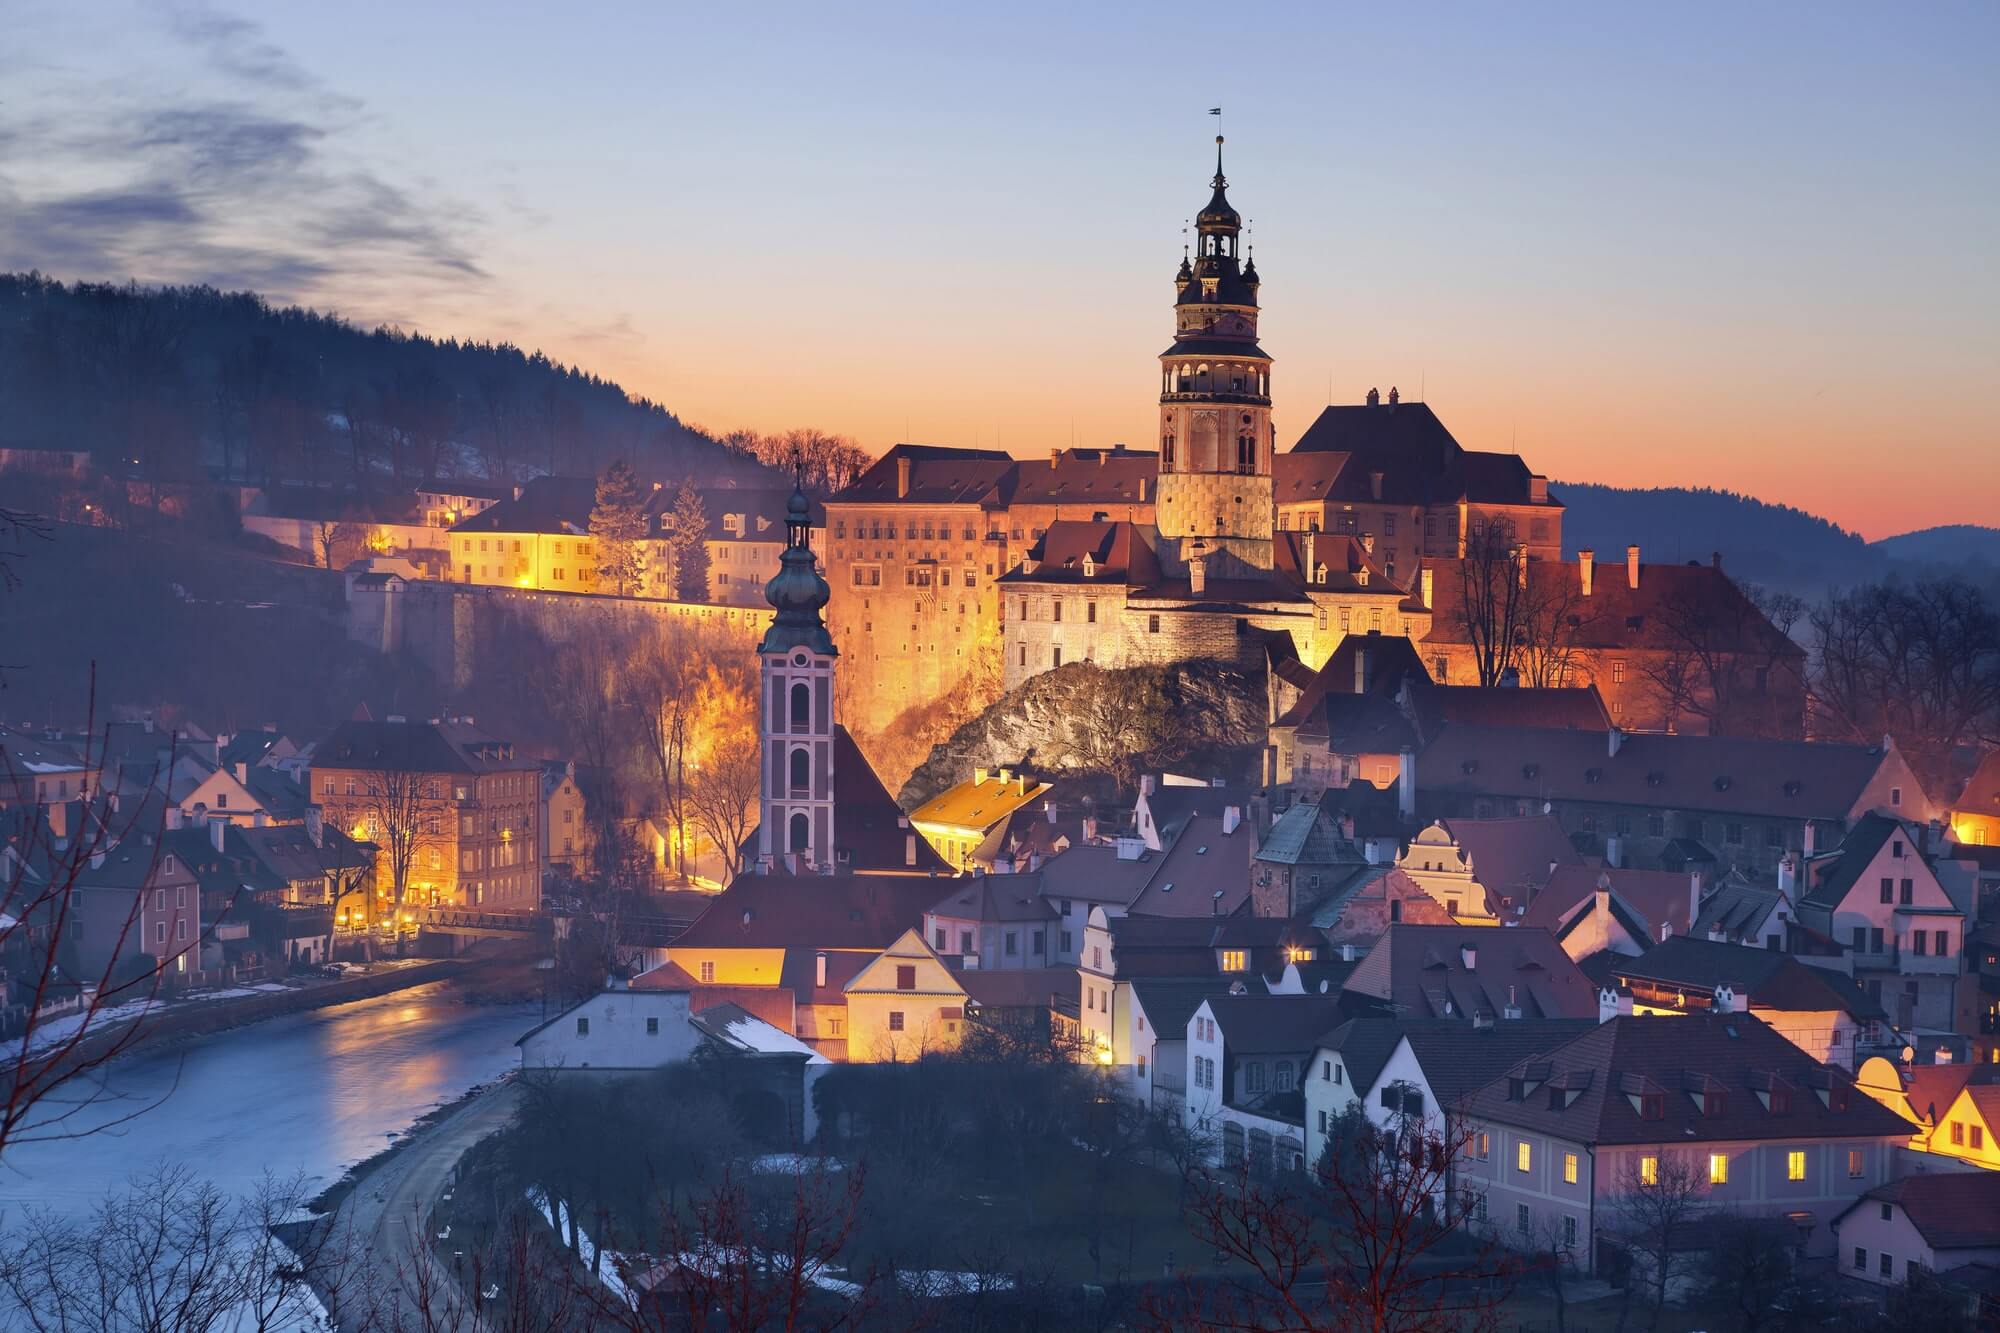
x: 797, y: 592
x: 1218, y: 213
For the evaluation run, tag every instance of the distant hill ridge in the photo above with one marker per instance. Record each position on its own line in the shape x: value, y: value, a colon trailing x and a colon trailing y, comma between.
x: 1951, y: 543
x: 1776, y: 544
x: 186, y: 380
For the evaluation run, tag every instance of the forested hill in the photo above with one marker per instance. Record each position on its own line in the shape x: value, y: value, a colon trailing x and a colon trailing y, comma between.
x: 1955, y: 543
x: 178, y: 381
x: 1762, y: 542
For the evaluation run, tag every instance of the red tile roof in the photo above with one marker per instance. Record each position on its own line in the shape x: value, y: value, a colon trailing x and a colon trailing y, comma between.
x: 1656, y: 895
x: 1513, y: 858
x: 812, y: 912
x: 1617, y: 615
x: 1205, y: 873
x: 1954, y: 1210
x: 1622, y: 1062
x: 1422, y: 971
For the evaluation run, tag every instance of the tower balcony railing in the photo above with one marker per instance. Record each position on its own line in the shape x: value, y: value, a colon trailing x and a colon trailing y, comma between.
x: 1192, y: 395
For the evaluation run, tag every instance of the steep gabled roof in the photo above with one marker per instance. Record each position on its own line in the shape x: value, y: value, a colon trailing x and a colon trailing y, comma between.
x: 1858, y: 850
x: 1615, y: 1069
x: 1089, y: 554
x: 559, y: 506
x: 1767, y: 978
x: 995, y: 898
x: 1712, y: 774
x: 1953, y: 1210
x: 1460, y: 1058
x: 937, y: 475
x: 1205, y: 873
x: 855, y: 911
x: 1513, y: 858
x: 1273, y: 1024
x: 1656, y: 897
x: 416, y: 747
x: 1083, y: 476
x: 870, y: 831
x: 1422, y: 971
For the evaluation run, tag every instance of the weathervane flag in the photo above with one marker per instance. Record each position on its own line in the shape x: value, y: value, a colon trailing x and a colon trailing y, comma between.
x: 1215, y: 111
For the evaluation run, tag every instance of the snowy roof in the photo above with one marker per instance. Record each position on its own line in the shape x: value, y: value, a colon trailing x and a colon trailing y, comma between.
x: 737, y: 1027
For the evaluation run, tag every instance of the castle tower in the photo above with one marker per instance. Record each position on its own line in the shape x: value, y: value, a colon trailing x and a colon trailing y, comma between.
x: 795, y: 802
x: 1215, y: 503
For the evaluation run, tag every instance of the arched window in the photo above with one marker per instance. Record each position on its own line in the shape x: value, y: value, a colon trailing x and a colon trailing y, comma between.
x: 801, y: 834
x: 802, y: 699
x: 1167, y: 452
x: 801, y: 770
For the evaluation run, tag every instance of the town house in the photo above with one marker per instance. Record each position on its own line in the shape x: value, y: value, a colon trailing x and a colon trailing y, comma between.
x: 1905, y: 936
x: 1930, y: 1223
x: 1246, y: 1057
x: 1761, y: 1127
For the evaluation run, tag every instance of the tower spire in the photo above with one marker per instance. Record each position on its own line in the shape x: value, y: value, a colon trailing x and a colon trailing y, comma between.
x: 1219, y: 182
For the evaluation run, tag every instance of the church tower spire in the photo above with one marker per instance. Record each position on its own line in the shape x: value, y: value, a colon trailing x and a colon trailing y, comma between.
x: 1215, y: 502
x: 795, y: 709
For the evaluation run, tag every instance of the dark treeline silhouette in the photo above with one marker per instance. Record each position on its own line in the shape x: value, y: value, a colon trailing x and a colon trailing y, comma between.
x: 179, y: 383
x: 1773, y: 544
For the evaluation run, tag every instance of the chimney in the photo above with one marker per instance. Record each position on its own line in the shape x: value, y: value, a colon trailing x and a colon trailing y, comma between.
x: 1034, y: 862
x: 1429, y: 577
x: 1725, y: 1000
x: 1374, y: 398
x: 149, y: 724
x: 1694, y: 900
x: 1232, y: 819
x: 1368, y: 542
x: 316, y: 826
x: 979, y: 776
x: 242, y: 772
x: 1394, y: 397
x: 173, y: 817
x: 1142, y: 490
x: 97, y: 859
x: 1312, y: 555
x: 1632, y: 566
x: 902, y: 477
x: 1812, y: 839
x: 1610, y: 1005
x: 1406, y: 786
x: 1361, y: 670
x: 216, y: 828
x: 1375, y: 485
x: 1715, y: 560
x: 819, y: 970
x: 1612, y: 740
x: 1468, y: 954
x: 909, y: 849
x: 1090, y: 828
x: 1788, y: 875
x: 1055, y: 457
x: 1586, y: 565
x: 1603, y: 904
x: 1197, y: 576
x: 1614, y: 852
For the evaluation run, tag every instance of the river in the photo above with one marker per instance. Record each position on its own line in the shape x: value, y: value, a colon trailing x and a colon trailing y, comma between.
x: 313, y: 1092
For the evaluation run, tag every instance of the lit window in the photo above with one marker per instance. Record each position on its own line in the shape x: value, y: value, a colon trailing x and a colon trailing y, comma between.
x: 1854, y: 1163
x: 895, y: 1020
x: 1649, y: 1170
x: 1569, y: 1168
x: 708, y: 973
x: 1524, y: 1156
x: 1718, y: 1168
x: 1795, y: 1165
x: 1234, y: 960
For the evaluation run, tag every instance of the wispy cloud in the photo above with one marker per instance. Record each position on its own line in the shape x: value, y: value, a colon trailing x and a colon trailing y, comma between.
x: 256, y: 184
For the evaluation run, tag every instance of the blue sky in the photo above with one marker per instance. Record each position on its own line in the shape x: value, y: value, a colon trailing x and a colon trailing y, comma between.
x: 1742, y: 246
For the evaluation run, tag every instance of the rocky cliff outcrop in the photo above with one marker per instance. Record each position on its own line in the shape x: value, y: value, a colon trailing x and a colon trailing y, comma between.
x: 1197, y: 716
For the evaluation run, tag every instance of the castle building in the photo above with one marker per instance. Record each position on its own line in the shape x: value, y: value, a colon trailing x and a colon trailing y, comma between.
x: 1208, y: 573
x: 820, y: 806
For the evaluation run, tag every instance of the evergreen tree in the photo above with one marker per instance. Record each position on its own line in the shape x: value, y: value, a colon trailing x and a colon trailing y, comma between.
x: 618, y: 526
x: 690, y: 545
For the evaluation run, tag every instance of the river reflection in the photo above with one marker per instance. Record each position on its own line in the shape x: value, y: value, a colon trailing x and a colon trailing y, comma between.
x: 311, y: 1092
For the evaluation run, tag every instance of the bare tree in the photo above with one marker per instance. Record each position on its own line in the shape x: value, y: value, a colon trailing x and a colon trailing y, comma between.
x: 404, y: 813
x: 1493, y: 593
x: 1918, y: 661
x: 72, y: 1019
x: 174, y: 1253
x: 1658, y: 1196
x: 1369, y: 1239
x: 1729, y: 659
x: 335, y: 540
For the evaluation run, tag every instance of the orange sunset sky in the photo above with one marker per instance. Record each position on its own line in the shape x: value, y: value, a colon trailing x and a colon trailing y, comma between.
x: 1697, y: 246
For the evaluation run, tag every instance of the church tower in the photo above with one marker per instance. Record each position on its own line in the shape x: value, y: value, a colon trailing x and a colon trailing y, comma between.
x: 1215, y: 506
x: 795, y: 803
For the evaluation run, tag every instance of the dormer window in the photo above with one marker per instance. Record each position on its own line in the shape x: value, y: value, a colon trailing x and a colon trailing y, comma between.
x: 1651, y: 1105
